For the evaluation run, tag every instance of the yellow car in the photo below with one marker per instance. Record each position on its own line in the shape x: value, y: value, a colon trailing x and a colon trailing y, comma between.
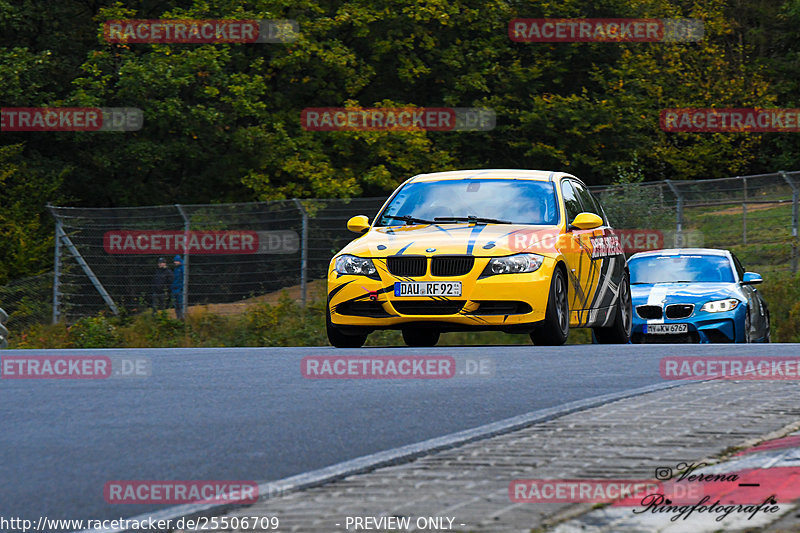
x: 520, y: 251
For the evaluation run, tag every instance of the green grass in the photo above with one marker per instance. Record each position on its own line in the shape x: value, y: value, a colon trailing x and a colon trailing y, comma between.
x: 768, y: 235
x: 284, y: 323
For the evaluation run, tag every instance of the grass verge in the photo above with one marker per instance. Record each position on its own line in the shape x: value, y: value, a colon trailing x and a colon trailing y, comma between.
x: 281, y: 323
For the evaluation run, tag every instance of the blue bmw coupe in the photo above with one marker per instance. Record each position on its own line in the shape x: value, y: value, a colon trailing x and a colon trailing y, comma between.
x: 691, y: 295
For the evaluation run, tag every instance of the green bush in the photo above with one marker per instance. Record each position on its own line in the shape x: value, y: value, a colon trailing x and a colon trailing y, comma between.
x: 782, y: 293
x: 94, y: 332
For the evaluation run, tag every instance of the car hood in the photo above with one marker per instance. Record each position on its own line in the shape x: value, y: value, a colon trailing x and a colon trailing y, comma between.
x: 668, y: 293
x: 482, y: 240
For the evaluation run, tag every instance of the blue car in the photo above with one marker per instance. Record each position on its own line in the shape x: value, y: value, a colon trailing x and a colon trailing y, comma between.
x: 695, y: 295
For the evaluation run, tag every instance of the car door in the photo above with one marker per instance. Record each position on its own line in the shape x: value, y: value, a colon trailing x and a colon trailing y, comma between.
x: 608, y: 261
x: 576, y: 249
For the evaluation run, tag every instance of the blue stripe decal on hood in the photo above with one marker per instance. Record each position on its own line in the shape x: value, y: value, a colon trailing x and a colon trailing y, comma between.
x: 475, y: 231
x: 404, y: 248
x: 441, y: 229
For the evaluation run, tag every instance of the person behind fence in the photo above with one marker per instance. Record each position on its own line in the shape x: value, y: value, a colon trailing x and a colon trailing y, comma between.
x: 177, y: 286
x: 162, y: 280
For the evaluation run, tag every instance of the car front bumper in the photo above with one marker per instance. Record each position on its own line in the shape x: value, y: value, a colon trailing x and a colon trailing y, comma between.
x: 703, y: 328
x: 508, y: 302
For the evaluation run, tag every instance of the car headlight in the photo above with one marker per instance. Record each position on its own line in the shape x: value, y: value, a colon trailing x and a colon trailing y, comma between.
x: 359, y: 266
x: 718, y: 306
x: 514, y: 264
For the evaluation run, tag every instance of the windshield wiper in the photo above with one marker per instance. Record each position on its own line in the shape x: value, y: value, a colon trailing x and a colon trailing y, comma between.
x: 408, y: 219
x: 472, y: 219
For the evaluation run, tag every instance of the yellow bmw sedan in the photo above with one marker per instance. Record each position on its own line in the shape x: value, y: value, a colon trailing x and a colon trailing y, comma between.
x: 519, y: 251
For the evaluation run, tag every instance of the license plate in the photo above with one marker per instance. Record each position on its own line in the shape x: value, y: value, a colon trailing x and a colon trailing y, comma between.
x: 665, y: 329
x: 427, y: 288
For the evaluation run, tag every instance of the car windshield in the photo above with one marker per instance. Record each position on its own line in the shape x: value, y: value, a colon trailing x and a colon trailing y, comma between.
x: 486, y: 200
x: 681, y: 268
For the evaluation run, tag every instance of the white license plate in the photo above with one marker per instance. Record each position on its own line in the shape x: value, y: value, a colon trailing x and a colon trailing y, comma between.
x: 665, y: 329
x: 427, y: 288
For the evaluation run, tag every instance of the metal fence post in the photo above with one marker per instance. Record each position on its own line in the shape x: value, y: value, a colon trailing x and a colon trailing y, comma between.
x: 679, y: 214
x: 744, y: 211
x: 795, y: 198
x: 57, y: 273
x: 303, y: 251
x: 3, y: 329
x: 186, y: 229
x: 61, y: 234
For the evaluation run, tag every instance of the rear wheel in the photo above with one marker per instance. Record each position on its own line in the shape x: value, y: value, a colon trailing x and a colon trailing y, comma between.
x: 554, y: 330
x: 420, y: 337
x: 340, y: 339
x: 620, y: 331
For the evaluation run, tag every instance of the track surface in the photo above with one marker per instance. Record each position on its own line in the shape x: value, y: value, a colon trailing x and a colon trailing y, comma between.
x: 248, y: 414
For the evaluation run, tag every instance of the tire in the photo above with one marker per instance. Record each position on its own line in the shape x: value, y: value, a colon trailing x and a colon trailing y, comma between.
x: 340, y: 339
x: 620, y: 331
x: 747, y: 325
x: 554, y: 330
x: 420, y: 337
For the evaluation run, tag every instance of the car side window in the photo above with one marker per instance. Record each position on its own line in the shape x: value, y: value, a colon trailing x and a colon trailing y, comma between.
x: 571, y: 202
x: 739, y: 267
x: 599, y: 207
x: 587, y: 200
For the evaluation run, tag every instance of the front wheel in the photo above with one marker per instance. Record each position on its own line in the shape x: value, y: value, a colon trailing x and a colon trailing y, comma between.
x: 339, y: 339
x: 748, y: 338
x: 554, y: 330
x: 620, y: 331
x: 420, y: 337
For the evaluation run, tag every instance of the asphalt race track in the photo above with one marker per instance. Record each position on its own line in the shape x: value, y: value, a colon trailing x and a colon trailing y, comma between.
x: 249, y: 414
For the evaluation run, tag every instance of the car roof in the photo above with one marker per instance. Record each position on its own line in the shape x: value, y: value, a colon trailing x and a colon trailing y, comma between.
x: 682, y: 251
x: 492, y: 173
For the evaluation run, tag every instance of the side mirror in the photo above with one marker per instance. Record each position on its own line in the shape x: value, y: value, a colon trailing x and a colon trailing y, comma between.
x: 358, y: 224
x: 751, y: 278
x: 586, y: 221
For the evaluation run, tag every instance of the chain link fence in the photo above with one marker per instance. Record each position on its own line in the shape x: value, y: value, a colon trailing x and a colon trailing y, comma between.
x: 28, y: 301
x: 105, y: 259
x: 755, y: 216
